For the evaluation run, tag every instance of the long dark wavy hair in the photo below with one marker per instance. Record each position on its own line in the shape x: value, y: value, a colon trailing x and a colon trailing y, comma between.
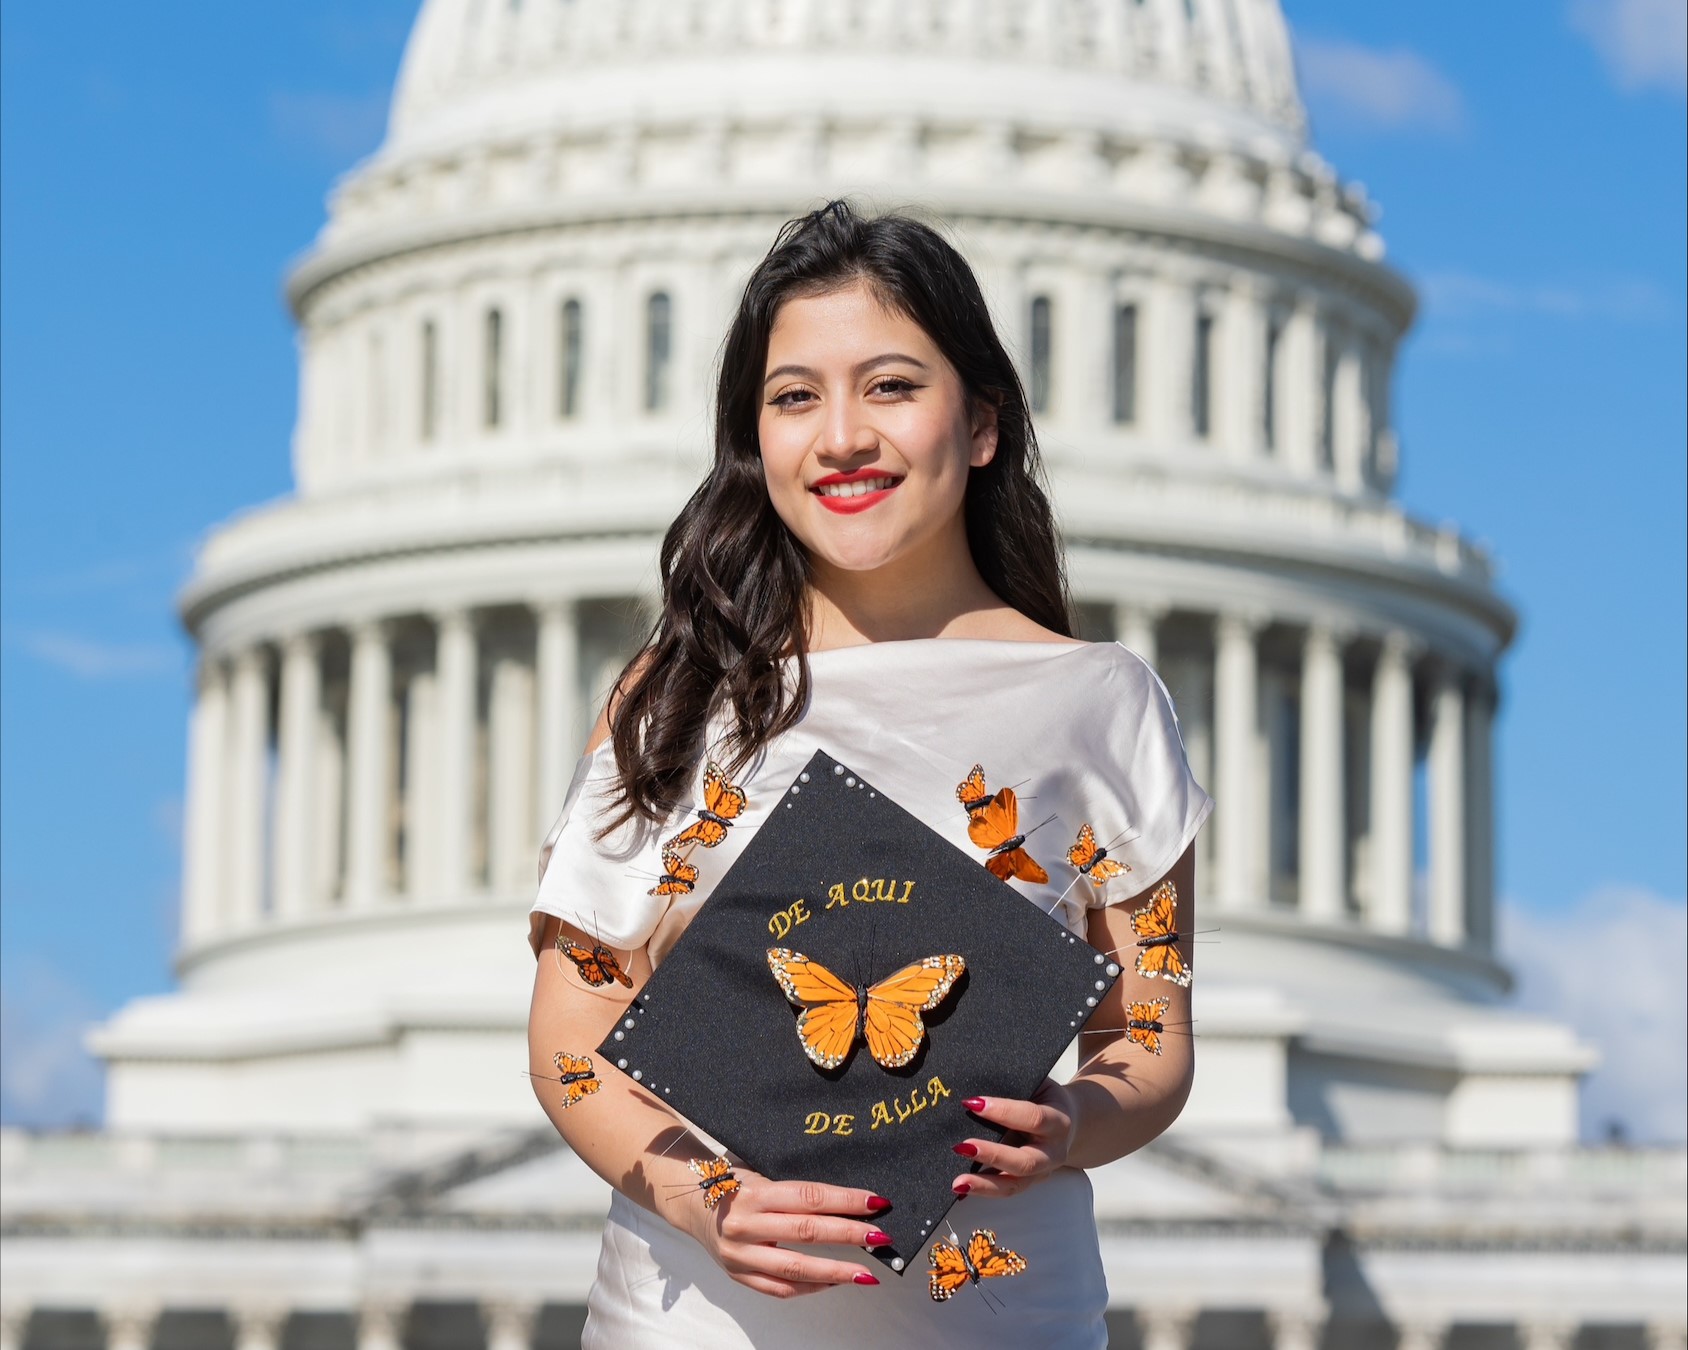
x: 734, y: 578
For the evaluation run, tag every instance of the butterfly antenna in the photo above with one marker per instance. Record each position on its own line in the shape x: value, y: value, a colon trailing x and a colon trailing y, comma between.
x: 1035, y: 828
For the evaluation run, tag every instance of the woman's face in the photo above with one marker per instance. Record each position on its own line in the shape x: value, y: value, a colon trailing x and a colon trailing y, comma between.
x: 867, y: 433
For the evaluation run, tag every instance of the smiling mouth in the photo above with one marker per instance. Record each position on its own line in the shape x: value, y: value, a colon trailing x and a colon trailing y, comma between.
x: 859, y: 487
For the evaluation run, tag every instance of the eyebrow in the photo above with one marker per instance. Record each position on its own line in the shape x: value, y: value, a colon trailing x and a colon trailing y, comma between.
x: 861, y: 367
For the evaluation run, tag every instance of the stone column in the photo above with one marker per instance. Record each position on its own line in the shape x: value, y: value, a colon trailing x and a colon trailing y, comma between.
x: 560, y: 737
x: 421, y: 789
x: 368, y: 737
x: 1392, y: 786
x: 1236, y: 698
x: 204, y: 825
x: 1166, y: 1328
x: 381, y: 1326
x: 1240, y: 362
x: 301, y: 699
x: 510, y: 773
x: 1447, y: 808
x: 247, y: 753
x: 510, y: 1325
x: 1421, y: 1334
x: 1349, y: 431
x: 1165, y: 353
x: 1294, y: 1330
x: 1479, y: 812
x: 258, y: 1328
x: 1323, y: 827
x: 1135, y: 625
x: 1300, y: 356
x: 455, y: 680
x: 14, y: 1326
x: 130, y: 1328
x: 330, y: 804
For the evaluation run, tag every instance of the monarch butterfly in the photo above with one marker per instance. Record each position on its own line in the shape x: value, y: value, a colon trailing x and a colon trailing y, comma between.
x: 886, y: 1015
x: 1092, y: 860
x: 996, y: 826
x: 678, y: 875
x: 597, y: 965
x: 717, y: 1181
x: 1144, y: 1025
x: 979, y: 1258
x: 971, y: 792
x: 723, y: 803
x: 1157, y: 934
x: 575, y: 1074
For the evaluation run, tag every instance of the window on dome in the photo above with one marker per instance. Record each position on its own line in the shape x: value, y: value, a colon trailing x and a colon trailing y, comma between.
x: 659, y: 343
x: 492, y: 390
x: 1042, y: 342
x: 429, y: 418
x: 1201, y: 377
x: 570, y: 337
x: 1125, y: 363
x: 1269, y: 384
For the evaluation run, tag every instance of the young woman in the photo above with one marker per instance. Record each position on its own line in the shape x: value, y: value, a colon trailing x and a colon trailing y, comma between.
x: 871, y: 566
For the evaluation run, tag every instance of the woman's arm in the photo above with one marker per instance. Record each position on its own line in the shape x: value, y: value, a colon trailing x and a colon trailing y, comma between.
x: 638, y: 1145
x: 1122, y: 1096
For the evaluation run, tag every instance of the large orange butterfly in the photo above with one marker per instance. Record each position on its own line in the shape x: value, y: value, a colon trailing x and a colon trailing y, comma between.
x: 995, y: 825
x: 575, y: 1074
x: 1144, y: 1025
x: 678, y: 875
x: 979, y: 1258
x: 723, y: 803
x: 1092, y: 860
x: 597, y: 965
x: 1157, y: 934
x: 886, y: 1015
x: 717, y: 1179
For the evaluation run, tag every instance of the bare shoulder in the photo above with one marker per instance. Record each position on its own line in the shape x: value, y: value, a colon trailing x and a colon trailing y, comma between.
x: 629, y: 679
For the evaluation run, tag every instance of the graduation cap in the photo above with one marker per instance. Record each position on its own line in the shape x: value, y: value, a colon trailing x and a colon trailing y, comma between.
x: 851, y: 979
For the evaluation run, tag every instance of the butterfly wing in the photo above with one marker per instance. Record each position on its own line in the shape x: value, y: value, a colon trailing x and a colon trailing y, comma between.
x: 827, y: 1026
x: 1148, y: 1035
x: 567, y: 1063
x: 586, y: 962
x: 894, y: 1030
x: 1104, y: 870
x: 1016, y: 862
x: 719, y: 1191
x: 971, y: 791
x: 724, y: 799
x: 679, y: 876
x: 991, y: 1261
x: 1159, y: 919
x: 611, y: 967
x: 574, y: 1092
x: 709, y: 833
x: 949, y: 1271
x: 1082, y: 854
x: 996, y: 821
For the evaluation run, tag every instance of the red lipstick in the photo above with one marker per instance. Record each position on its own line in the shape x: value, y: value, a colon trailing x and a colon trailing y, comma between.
x: 849, y: 506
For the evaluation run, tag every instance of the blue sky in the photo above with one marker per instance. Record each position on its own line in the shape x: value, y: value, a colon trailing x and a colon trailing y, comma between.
x: 161, y: 163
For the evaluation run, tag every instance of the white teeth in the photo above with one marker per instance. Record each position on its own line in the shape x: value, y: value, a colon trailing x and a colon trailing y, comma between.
x: 857, y: 488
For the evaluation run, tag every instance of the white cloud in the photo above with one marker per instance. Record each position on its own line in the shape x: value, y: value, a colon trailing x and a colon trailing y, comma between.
x: 1613, y: 967
x: 1462, y: 294
x: 1642, y: 42
x: 1384, y: 90
x: 341, y: 127
x: 93, y: 659
x: 46, y: 1078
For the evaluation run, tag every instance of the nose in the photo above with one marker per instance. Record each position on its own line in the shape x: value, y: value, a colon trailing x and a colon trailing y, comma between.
x: 847, y: 432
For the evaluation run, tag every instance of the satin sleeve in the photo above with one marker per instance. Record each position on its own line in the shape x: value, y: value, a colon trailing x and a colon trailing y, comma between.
x: 601, y: 886
x: 1148, y: 773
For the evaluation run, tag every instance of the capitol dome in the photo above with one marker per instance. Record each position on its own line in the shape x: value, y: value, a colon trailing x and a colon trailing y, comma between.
x: 506, y: 333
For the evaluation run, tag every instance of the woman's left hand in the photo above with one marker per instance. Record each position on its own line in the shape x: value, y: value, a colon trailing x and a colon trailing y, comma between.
x: 1042, y: 1133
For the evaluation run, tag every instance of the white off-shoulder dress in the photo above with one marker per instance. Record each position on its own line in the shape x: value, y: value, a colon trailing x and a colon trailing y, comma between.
x: 1090, y: 730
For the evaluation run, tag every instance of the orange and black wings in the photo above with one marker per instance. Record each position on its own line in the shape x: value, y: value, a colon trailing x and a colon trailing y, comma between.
x: 717, y: 1181
x: 949, y: 1271
x: 1092, y: 860
x: 723, y: 803
x: 1144, y: 1024
x: 995, y: 825
x: 597, y: 965
x: 1156, y: 925
x: 679, y: 877
x: 887, y: 1013
x: 971, y: 791
x: 991, y: 1261
x: 575, y: 1074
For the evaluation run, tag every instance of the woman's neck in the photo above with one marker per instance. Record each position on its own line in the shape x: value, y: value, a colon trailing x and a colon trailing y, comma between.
x: 937, y: 593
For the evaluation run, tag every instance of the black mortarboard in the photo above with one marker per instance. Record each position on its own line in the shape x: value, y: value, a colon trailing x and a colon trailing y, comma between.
x: 848, y: 878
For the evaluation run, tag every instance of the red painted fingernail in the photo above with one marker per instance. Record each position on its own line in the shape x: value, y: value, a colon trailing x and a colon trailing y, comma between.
x: 974, y: 1103
x: 877, y: 1203
x: 862, y: 1277
x: 967, y: 1150
x: 961, y: 1188
x: 878, y: 1239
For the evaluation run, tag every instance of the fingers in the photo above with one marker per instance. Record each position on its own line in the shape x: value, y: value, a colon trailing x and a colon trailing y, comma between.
x: 1031, y: 1118
x: 782, y: 1266
x: 1023, y: 1160
x: 750, y: 1225
x: 814, y: 1197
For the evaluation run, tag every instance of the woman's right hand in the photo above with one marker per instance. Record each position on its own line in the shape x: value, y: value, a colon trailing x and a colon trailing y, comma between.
x: 741, y: 1232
